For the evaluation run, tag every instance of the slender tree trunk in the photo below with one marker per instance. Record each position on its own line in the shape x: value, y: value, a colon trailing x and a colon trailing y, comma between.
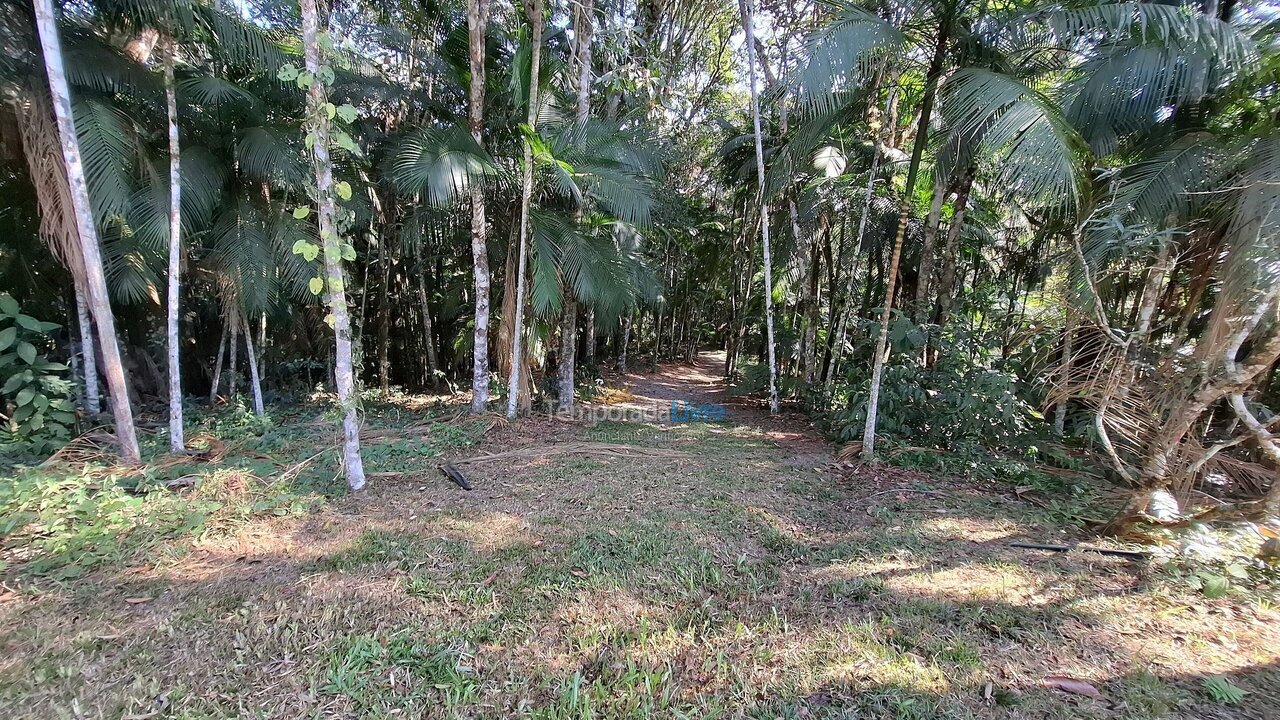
x: 622, y: 348
x: 748, y: 22
x: 926, y: 248
x: 254, y: 383
x: 93, y: 402
x: 99, y: 303
x: 837, y: 349
x: 534, y: 10
x: 233, y: 349
x: 217, y: 364
x: 176, y: 441
x: 344, y: 377
x: 921, y: 139
x: 428, y: 329
x: 951, y: 251
x: 384, y: 322
x: 477, y: 21
x: 814, y: 300
x: 584, y: 22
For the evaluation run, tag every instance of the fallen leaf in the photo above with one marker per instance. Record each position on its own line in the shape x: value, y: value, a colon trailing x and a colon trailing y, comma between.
x: 1073, y: 686
x: 138, y: 600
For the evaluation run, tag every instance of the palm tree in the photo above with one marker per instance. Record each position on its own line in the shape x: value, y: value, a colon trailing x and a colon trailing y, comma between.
x: 748, y: 22
x: 95, y: 281
x: 584, y: 21
x: 534, y: 11
x: 334, y: 280
x: 176, y: 443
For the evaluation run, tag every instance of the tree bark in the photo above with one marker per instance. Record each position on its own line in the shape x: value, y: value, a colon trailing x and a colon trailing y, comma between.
x: 428, y: 330
x: 622, y: 348
x: 93, y: 402
x: 534, y: 10
x: 748, y: 22
x: 584, y: 21
x: 255, y: 385
x: 173, y: 295
x: 318, y: 125
x: 217, y: 363
x: 921, y: 139
x: 925, y: 276
x: 951, y: 250
x: 477, y: 22
x: 96, y: 284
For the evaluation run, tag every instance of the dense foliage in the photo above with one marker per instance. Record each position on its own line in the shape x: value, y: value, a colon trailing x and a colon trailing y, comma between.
x: 985, y: 225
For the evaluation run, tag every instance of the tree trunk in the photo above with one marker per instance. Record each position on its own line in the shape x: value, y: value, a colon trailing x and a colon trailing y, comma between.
x: 217, y: 364
x: 925, y: 275
x: 951, y: 251
x: 93, y: 402
x: 921, y: 139
x: 96, y: 284
x: 176, y: 442
x: 534, y: 10
x: 837, y: 349
x: 584, y: 21
x: 384, y: 321
x: 254, y: 383
x: 233, y: 349
x: 428, y: 330
x: 344, y: 377
x: 748, y: 22
x: 622, y: 348
x: 477, y: 21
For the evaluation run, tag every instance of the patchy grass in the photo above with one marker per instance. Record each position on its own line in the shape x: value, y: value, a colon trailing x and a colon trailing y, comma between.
x: 747, y: 580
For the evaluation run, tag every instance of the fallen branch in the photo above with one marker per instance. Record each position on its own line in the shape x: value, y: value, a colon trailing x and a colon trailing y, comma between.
x: 1131, y: 554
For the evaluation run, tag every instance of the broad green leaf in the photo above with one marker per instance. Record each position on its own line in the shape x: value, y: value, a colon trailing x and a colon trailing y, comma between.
x: 25, y: 396
x: 330, y: 110
x: 347, y: 113
x: 7, y: 336
x: 8, y: 306
x: 305, y: 79
x: 343, y: 189
x: 336, y: 284
x: 348, y: 252
x: 287, y: 73
x: 325, y: 73
x: 331, y: 320
x: 316, y: 285
x: 27, y: 352
x: 29, y: 323
x: 300, y: 213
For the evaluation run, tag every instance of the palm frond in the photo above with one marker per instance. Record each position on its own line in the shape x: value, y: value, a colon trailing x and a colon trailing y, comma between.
x: 842, y: 54
x: 439, y: 163
x: 1037, y: 154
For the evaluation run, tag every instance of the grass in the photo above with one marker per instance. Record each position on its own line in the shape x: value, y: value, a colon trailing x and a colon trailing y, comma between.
x: 737, y: 583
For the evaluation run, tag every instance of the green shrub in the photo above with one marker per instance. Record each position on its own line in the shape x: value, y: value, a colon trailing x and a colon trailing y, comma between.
x: 36, y: 397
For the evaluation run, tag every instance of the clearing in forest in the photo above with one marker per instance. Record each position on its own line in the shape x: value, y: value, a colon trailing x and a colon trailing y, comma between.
x: 731, y: 571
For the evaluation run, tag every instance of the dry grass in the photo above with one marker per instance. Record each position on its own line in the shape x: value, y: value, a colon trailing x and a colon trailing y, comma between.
x: 742, y: 579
